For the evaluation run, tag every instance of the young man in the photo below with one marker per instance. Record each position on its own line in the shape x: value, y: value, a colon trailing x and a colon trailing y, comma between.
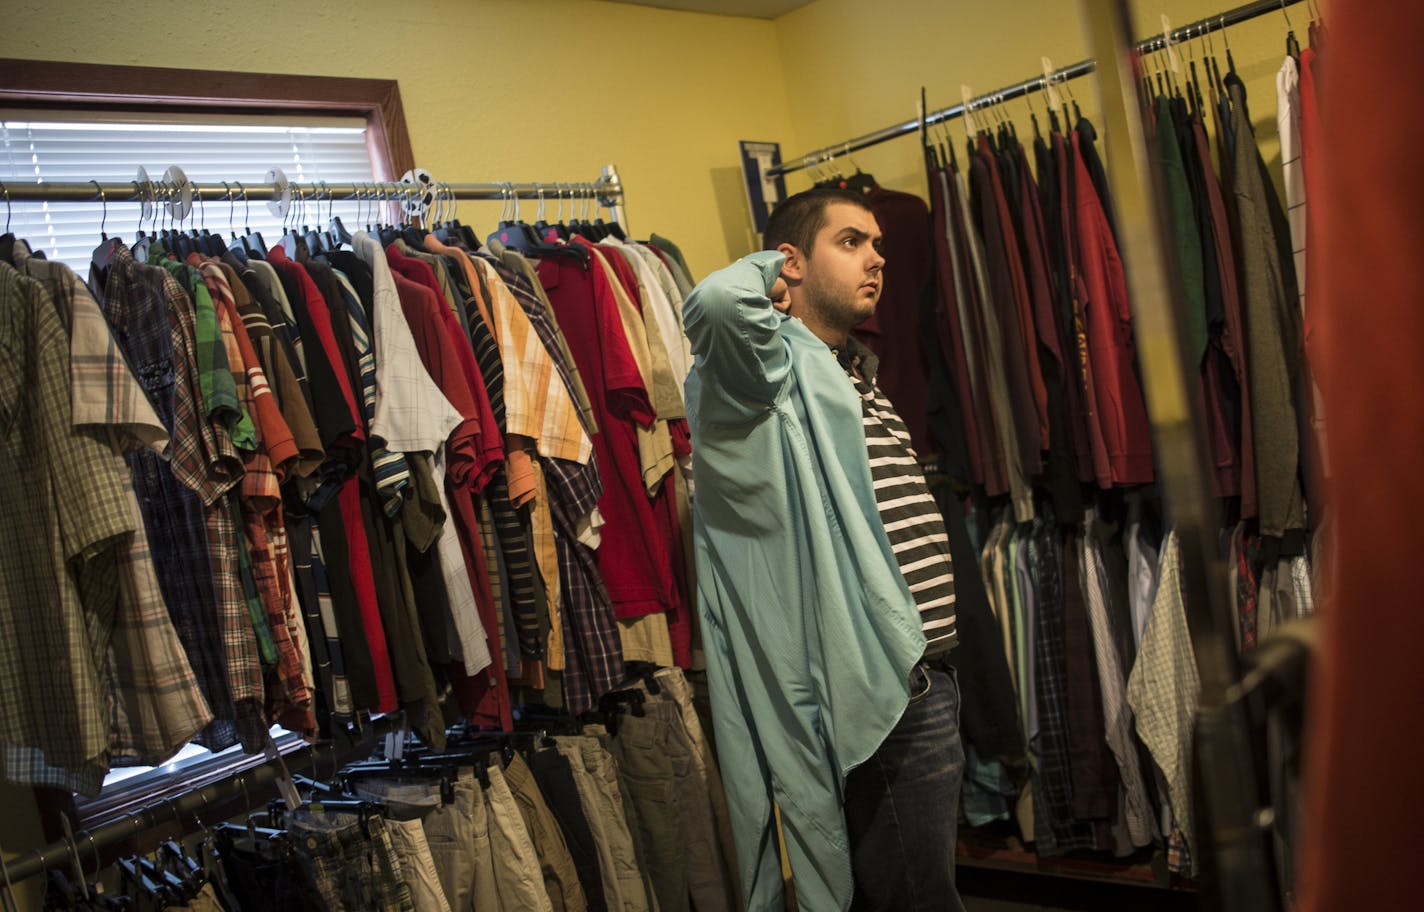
x: 824, y: 577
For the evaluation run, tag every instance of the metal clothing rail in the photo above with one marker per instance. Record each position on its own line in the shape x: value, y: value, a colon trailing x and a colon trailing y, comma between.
x: 1081, y: 68
x: 88, y: 844
x: 608, y: 189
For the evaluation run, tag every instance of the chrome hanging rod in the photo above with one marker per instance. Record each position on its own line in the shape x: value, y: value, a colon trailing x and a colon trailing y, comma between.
x: 1081, y: 68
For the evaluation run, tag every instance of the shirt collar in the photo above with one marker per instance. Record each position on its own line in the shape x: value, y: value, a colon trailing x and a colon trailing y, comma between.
x: 856, y: 358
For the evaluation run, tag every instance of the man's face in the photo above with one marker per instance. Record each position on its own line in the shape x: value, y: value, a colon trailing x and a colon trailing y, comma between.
x: 841, y: 274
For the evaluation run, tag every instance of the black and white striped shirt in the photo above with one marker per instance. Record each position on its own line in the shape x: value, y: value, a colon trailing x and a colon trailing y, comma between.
x: 908, y: 509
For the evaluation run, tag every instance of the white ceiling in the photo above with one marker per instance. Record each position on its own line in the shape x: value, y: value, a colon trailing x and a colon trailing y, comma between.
x: 756, y: 9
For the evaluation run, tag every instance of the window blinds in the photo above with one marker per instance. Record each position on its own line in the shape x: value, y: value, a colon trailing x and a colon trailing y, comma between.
x: 34, y: 151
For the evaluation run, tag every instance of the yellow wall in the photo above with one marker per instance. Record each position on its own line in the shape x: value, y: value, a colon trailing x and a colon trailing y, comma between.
x: 554, y: 89
x: 852, y: 69
x: 493, y: 89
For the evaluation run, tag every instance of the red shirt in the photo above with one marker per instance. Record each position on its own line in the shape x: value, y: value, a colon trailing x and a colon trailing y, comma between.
x: 363, y: 581
x: 1119, y: 414
x: 635, y: 562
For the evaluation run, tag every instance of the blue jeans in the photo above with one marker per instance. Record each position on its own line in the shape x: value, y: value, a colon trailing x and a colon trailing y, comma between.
x: 902, y: 805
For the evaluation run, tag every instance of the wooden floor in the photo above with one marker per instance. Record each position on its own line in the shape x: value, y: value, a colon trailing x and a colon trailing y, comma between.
x: 992, y: 890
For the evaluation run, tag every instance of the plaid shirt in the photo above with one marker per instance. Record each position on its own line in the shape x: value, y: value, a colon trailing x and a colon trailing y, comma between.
x: 135, y: 302
x: 519, y: 274
x: 66, y: 518
x: 593, y: 650
x: 205, y: 459
x: 537, y: 401
x: 1055, y: 829
x: 157, y: 706
x: 216, y: 380
x: 1163, y: 687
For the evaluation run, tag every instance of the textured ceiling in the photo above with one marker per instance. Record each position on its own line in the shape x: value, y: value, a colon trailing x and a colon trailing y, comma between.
x: 757, y: 9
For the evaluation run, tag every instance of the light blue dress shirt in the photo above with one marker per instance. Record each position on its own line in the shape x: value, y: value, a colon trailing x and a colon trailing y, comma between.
x: 809, y: 628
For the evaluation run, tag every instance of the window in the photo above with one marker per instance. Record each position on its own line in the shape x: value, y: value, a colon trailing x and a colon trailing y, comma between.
x: 209, y: 148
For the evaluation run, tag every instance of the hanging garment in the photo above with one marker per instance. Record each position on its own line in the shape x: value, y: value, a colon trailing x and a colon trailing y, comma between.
x: 1311, y: 168
x: 1014, y: 477
x: 1056, y: 827
x: 1272, y: 335
x: 1059, y: 378
x: 1225, y: 387
x: 950, y: 407
x: 1094, y: 773
x: 1005, y: 291
x: 1162, y: 689
x: 1186, y: 241
x: 1290, y: 119
x: 892, y: 331
x: 1116, y: 712
x: 593, y: 657
x: 1118, y: 408
x: 636, y: 569
x: 67, y: 523
x: 157, y: 704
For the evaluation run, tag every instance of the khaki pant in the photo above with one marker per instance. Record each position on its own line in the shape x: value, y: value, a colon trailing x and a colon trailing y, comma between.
x: 516, y: 865
x: 459, y: 841
x: 657, y: 745
x: 676, y: 688
x: 417, y: 865
x: 597, y: 784
x: 557, y: 866
x: 641, y: 748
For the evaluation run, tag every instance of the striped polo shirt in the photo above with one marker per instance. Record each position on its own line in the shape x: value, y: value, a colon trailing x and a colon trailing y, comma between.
x: 908, y: 509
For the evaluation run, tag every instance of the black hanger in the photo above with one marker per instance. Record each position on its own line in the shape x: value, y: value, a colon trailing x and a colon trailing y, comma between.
x: 316, y: 240
x: 103, y: 255
x: 132, y: 874
x: 518, y: 235
x: 644, y: 672
x: 542, y: 228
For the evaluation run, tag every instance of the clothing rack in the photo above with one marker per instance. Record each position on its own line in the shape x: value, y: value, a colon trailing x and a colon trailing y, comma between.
x: 418, y: 187
x: 1018, y: 90
x: 87, y: 844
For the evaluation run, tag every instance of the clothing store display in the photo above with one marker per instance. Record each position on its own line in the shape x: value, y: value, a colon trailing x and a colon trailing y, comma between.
x: 326, y: 482
x: 533, y: 570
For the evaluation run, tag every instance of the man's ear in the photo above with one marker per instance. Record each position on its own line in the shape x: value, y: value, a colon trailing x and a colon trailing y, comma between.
x: 794, y: 269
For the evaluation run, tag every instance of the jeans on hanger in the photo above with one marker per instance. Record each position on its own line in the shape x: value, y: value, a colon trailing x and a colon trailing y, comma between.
x: 902, y: 805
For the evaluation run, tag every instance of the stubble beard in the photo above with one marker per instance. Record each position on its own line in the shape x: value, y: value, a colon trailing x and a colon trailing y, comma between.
x: 839, y: 308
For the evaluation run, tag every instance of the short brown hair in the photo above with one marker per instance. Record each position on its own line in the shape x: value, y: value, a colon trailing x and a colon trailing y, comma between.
x: 797, y: 219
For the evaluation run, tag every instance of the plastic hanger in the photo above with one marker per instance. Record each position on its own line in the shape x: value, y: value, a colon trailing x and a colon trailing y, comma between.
x: 1292, y: 45
x: 103, y: 255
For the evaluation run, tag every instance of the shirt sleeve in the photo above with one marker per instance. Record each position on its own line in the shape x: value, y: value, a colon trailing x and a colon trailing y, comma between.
x: 736, y: 334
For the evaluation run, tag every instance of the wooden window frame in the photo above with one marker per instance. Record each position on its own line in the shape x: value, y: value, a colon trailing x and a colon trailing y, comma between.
x: 52, y: 85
